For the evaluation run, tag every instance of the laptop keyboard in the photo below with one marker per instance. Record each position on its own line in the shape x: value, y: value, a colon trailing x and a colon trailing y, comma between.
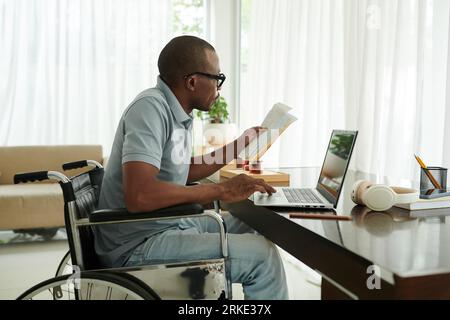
x: 301, y: 196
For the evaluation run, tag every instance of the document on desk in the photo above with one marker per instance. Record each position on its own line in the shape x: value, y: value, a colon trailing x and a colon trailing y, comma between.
x: 276, y: 121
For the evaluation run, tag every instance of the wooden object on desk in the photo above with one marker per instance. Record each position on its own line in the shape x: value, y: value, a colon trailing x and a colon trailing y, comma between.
x: 271, y: 177
x: 319, y: 215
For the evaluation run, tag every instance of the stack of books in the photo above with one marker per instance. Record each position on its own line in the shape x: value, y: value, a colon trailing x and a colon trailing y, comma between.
x: 423, y: 204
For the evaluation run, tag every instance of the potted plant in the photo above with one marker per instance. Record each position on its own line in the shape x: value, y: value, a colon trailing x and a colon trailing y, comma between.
x: 218, y: 112
x: 217, y: 130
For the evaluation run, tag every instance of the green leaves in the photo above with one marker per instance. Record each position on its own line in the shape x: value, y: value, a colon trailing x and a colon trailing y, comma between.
x: 218, y: 112
x: 341, y: 144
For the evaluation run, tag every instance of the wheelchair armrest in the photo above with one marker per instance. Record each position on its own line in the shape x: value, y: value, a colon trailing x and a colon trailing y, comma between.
x: 107, y: 215
x: 193, y: 209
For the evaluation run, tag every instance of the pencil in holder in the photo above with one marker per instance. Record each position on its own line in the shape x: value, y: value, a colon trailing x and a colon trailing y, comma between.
x: 433, y: 178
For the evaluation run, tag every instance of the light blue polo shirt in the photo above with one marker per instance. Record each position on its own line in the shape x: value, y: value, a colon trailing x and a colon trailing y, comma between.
x: 156, y: 130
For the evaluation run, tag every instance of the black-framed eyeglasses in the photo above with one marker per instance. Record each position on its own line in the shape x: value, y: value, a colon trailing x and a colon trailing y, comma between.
x: 219, y: 77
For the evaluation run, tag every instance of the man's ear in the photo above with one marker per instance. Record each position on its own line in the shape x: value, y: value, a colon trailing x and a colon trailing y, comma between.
x: 190, y: 83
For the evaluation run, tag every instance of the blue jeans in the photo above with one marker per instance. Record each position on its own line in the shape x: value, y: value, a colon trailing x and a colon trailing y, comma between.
x: 254, y: 260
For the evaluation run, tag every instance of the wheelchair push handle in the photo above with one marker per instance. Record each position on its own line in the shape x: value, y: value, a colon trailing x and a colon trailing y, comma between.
x: 30, y: 176
x: 81, y: 164
x: 74, y: 165
x: 39, y: 176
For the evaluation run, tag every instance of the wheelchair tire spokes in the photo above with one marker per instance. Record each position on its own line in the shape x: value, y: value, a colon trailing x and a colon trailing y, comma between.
x: 88, y: 286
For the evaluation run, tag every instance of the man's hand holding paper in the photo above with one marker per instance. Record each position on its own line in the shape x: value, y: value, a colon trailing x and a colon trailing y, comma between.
x: 276, y: 121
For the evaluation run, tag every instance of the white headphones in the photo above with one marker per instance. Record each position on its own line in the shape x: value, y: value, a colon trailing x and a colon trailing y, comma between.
x: 380, y: 197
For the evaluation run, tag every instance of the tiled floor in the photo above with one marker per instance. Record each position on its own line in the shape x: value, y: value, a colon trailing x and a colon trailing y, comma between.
x: 303, y: 282
x: 26, y: 261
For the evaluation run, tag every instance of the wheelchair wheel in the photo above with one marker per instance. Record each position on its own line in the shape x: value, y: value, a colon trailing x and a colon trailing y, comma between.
x: 89, y: 286
x: 65, y: 266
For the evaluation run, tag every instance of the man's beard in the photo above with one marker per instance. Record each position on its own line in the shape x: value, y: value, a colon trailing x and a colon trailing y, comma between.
x: 207, y: 108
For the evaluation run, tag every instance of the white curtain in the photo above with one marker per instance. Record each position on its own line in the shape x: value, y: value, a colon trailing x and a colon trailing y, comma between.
x: 68, y: 68
x: 397, y: 73
x: 295, y: 56
x: 378, y: 66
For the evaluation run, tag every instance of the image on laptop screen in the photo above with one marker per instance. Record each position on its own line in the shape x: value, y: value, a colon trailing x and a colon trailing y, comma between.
x: 335, y: 164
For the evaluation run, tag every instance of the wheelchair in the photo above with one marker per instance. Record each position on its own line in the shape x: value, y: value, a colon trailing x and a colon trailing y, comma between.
x: 80, y: 276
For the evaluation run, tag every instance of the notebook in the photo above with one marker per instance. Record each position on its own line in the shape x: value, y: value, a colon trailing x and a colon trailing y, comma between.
x: 422, y: 204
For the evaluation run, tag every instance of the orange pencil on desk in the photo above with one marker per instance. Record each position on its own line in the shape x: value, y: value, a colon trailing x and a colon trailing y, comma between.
x: 428, y: 173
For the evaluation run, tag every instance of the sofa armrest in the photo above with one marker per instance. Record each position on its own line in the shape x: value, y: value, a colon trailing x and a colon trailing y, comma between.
x: 117, y: 215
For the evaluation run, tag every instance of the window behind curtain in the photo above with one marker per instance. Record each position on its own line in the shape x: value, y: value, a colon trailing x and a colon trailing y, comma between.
x: 68, y: 68
x: 378, y: 66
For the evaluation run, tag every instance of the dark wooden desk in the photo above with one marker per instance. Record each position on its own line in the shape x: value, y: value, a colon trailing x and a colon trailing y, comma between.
x: 412, y: 254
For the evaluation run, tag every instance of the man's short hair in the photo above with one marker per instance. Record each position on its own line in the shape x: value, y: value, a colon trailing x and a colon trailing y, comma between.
x: 181, y: 56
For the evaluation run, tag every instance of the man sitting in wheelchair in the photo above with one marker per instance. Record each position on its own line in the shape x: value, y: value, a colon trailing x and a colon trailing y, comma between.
x: 151, y: 164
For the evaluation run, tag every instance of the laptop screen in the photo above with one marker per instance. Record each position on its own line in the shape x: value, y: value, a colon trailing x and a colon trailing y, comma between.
x: 335, y: 164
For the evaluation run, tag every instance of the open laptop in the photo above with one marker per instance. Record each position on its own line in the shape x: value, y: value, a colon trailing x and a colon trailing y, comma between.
x: 332, y: 175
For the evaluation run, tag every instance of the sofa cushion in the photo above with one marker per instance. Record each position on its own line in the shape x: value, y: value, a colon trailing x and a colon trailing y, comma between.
x: 25, y: 206
x: 44, y: 158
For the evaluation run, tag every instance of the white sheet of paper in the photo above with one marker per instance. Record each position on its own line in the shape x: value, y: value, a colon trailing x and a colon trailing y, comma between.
x: 276, y: 121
